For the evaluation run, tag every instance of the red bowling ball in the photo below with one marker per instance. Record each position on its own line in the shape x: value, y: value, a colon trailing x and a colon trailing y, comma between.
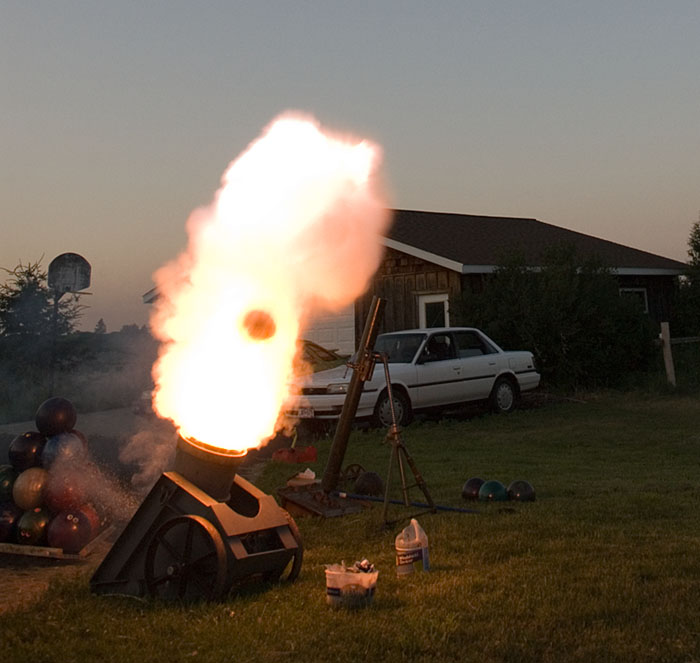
x: 64, y: 490
x: 70, y: 531
x: 92, y: 515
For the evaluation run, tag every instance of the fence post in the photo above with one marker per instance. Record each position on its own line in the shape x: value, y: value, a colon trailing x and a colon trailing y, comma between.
x: 665, y: 337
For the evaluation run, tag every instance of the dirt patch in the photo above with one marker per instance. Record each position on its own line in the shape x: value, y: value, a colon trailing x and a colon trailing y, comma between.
x: 25, y: 579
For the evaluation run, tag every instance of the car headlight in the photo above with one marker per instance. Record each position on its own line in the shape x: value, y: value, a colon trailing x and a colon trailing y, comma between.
x: 340, y: 388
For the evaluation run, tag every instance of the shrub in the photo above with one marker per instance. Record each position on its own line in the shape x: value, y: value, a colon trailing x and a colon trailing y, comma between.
x: 569, y: 314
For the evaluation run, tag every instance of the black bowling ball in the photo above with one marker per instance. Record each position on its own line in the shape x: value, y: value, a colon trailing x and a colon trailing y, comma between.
x: 25, y: 450
x: 369, y: 483
x: 470, y: 490
x: 55, y: 415
x: 521, y: 491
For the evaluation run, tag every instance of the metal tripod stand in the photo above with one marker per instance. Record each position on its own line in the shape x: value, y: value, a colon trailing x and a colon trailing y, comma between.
x: 400, y: 454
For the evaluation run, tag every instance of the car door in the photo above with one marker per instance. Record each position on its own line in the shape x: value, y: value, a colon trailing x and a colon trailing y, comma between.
x: 438, y: 372
x: 479, y: 361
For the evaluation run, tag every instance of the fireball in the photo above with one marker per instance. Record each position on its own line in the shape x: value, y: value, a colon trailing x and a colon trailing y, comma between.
x: 294, y: 229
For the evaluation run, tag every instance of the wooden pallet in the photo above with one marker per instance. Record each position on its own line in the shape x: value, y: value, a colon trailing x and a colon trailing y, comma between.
x: 56, y: 553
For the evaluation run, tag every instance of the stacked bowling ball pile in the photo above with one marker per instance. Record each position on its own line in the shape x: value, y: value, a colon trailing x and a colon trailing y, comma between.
x: 494, y: 491
x: 44, y: 490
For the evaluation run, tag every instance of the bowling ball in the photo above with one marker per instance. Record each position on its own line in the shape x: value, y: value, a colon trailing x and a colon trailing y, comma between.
x: 32, y: 526
x: 259, y: 325
x: 28, y: 491
x: 470, y: 489
x: 82, y: 436
x: 91, y: 513
x: 25, y: 450
x: 55, y: 415
x: 369, y: 483
x: 70, y: 531
x: 521, y: 491
x: 8, y: 476
x: 493, y: 491
x: 63, y: 449
x: 65, y: 489
x: 9, y: 515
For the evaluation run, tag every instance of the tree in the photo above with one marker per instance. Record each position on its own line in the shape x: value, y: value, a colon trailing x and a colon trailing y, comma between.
x: 568, y: 313
x: 686, y: 303
x: 100, y: 327
x: 27, y: 306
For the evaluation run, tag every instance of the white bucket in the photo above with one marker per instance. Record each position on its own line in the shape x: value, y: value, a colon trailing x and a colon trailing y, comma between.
x: 350, y: 589
x: 412, y: 550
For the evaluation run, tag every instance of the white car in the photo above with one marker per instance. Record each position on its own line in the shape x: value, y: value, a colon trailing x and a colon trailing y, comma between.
x: 428, y: 369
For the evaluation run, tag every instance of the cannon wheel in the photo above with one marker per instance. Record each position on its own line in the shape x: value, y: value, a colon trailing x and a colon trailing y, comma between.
x: 186, y: 560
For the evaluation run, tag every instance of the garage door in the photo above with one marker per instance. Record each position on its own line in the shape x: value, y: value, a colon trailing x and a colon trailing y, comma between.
x: 335, y: 331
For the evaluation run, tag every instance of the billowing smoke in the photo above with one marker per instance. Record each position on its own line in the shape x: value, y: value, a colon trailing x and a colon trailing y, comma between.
x: 294, y: 229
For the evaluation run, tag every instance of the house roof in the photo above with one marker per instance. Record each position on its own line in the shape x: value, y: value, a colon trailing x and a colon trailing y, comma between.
x: 477, y: 244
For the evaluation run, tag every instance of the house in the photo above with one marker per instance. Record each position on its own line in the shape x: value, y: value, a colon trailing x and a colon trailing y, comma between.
x: 432, y: 256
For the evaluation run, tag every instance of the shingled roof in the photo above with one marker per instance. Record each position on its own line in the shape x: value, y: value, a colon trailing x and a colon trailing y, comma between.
x: 473, y: 244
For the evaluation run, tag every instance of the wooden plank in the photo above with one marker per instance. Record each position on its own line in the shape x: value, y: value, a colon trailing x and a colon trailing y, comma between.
x: 54, y: 553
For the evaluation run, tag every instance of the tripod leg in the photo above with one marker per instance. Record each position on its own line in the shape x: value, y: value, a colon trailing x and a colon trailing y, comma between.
x: 388, y: 482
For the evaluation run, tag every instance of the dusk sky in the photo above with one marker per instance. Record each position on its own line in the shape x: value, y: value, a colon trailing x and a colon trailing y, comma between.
x: 119, y: 118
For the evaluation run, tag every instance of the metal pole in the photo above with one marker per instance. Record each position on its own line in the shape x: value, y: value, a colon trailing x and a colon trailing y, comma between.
x: 361, y: 372
x: 54, y: 333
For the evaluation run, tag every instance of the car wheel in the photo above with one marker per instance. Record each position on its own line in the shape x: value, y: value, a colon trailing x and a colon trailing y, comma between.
x: 402, y: 409
x: 504, y: 396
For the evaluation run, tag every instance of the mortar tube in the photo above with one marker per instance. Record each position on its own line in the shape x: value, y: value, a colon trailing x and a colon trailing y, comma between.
x: 331, y: 474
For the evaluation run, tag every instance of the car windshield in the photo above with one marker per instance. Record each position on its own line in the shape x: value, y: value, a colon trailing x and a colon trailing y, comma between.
x: 399, y: 348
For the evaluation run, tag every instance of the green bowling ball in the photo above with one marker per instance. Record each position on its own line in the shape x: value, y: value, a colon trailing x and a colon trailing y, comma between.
x: 8, y: 476
x: 493, y: 491
x: 32, y: 527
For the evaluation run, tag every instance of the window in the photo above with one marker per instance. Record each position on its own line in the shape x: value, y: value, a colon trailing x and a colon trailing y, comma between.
x: 639, y: 294
x: 438, y: 348
x: 470, y: 344
x: 434, y: 310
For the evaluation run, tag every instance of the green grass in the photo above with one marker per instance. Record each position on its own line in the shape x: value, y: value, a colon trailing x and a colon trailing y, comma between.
x: 604, y: 566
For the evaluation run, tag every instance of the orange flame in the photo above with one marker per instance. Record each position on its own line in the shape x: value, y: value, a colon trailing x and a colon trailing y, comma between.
x: 295, y: 228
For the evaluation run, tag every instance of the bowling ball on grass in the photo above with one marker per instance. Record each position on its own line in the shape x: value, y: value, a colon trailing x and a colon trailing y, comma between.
x: 55, y: 415
x: 28, y: 491
x: 32, y: 526
x: 65, y: 489
x: 9, y: 515
x: 63, y: 449
x: 493, y: 491
x: 369, y: 483
x: 470, y: 489
x: 25, y: 450
x: 69, y: 530
x: 8, y: 476
x: 521, y: 491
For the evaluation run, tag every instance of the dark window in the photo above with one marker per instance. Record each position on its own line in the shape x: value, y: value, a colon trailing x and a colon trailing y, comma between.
x: 470, y: 344
x: 434, y: 314
x: 438, y: 348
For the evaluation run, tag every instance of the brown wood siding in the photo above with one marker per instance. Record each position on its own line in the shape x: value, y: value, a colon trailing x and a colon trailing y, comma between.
x: 399, y: 280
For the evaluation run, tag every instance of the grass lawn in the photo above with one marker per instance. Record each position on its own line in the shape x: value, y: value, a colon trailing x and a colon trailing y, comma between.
x: 604, y: 566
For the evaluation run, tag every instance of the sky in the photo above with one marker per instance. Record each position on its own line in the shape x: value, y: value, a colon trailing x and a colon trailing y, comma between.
x: 117, y: 119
